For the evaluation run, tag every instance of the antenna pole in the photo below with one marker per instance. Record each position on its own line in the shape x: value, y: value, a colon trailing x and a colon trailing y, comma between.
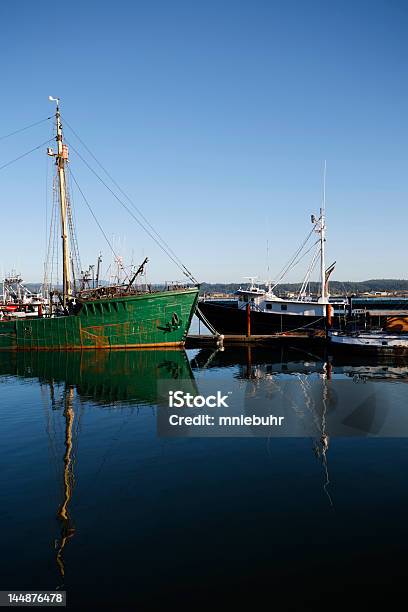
x: 98, y: 268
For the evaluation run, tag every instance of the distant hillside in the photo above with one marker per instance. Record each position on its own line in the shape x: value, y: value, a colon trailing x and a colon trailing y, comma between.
x: 336, y: 287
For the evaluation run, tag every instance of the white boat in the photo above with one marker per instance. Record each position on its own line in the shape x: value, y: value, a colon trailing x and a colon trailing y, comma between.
x: 365, y: 340
x: 16, y: 300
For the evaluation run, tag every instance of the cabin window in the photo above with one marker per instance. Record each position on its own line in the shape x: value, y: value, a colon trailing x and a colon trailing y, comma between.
x: 269, y: 307
x: 284, y: 306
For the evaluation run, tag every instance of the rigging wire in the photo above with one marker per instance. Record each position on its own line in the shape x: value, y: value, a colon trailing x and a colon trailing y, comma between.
x: 305, y: 253
x: 51, y: 279
x: 168, y: 247
x: 76, y: 260
x: 57, y: 244
x: 310, y: 269
x: 180, y: 266
x: 25, y: 154
x: 48, y: 207
x: 290, y: 264
x: 117, y: 258
x: 25, y: 128
x: 164, y: 246
x: 47, y: 267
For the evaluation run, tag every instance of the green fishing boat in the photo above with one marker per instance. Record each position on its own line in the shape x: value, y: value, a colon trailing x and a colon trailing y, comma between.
x: 147, y: 320
x: 118, y: 316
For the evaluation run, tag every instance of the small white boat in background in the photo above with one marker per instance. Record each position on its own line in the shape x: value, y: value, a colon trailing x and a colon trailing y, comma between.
x: 366, y: 340
x: 17, y: 301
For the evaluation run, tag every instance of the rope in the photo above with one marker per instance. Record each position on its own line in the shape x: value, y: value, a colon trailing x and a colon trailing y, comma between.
x: 27, y: 153
x: 24, y: 128
x: 166, y: 249
x: 257, y: 309
x: 117, y: 258
x: 302, y: 327
x: 309, y: 271
x: 206, y: 322
x: 169, y: 249
x: 182, y: 268
x: 290, y: 263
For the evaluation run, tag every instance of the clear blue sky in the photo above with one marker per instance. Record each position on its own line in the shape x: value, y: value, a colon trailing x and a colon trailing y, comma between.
x: 215, y: 117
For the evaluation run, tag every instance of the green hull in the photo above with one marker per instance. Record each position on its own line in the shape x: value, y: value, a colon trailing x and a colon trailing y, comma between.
x: 135, y: 321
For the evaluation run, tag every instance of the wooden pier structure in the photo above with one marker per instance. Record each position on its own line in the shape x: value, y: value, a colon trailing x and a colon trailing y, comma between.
x: 201, y: 340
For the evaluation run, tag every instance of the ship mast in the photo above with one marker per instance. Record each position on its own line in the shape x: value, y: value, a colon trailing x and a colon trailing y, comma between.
x: 323, y: 296
x: 61, y: 159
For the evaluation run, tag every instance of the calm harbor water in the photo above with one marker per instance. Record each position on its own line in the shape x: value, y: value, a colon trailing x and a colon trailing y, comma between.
x: 95, y: 503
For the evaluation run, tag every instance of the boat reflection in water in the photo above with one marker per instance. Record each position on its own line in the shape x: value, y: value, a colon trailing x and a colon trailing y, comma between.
x: 321, y: 397
x: 105, y: 377
x: 306, y: 388
x: 114, y: 379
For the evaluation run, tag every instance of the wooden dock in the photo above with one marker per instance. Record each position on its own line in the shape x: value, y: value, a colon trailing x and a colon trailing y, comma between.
x: 198, y: 341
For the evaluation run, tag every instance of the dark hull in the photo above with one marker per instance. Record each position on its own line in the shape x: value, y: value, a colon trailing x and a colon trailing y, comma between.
x: 230, y: 320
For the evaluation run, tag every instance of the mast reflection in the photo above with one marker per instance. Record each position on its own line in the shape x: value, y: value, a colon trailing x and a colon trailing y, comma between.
x: 103, y: 379
x: 63, y: 514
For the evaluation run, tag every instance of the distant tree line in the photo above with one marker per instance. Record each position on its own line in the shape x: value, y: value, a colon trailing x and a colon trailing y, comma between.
x: 336, y: 287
